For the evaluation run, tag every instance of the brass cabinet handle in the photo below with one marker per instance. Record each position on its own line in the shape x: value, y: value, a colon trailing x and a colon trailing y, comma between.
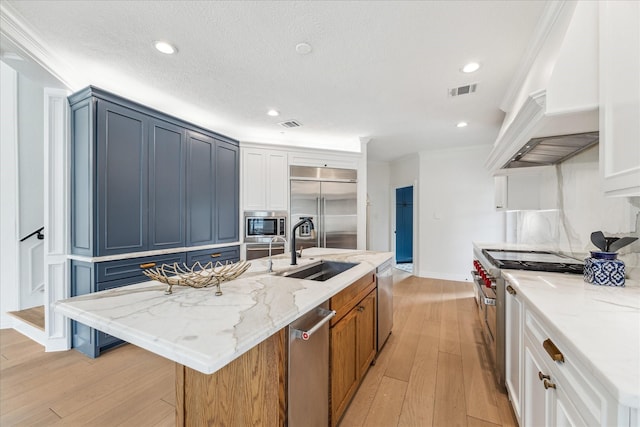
x: 552, y: 350
x: 548, y: 385
x: 148, y: 265
x: 216, y: 255
x: 511, y: 290
x: 361, y: 309
x: 543, y: 376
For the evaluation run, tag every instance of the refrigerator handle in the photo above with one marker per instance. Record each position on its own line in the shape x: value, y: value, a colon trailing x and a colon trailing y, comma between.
x: 319, y: 223
x: 324, y: 232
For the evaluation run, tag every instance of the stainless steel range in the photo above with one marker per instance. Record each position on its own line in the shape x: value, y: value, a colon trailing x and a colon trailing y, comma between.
x: 489, y: 290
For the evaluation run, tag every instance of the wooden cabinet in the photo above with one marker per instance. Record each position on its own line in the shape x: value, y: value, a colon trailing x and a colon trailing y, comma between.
x: 513, y: 344
x: 144, y: 181
x: 352, y: 341
x: 249, y: 391
x: 264, y: 179
x: 620, y: 97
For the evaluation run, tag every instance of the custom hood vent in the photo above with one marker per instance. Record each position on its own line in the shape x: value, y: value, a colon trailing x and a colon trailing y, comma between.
x: 551, y: 150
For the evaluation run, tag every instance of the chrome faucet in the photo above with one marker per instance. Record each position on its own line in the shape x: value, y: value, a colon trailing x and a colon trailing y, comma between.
x: 303, y: 220
x: 270, y: 270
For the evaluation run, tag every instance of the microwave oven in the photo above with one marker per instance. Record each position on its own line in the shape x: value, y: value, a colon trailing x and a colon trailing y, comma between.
x: 261, y: 226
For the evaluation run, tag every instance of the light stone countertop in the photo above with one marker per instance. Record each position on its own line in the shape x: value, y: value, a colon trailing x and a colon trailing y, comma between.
x: 205, y: 332
x: 598, y: 324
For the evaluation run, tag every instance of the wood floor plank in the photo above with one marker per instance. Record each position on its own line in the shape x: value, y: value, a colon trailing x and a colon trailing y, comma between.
x: 449, y: 337
x: 475, y: 422
x: 387, y: 405
x: 450, y: 407
x: 418, y: 405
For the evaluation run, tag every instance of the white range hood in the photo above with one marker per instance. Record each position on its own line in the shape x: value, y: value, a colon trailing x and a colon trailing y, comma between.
x: 551, y: 124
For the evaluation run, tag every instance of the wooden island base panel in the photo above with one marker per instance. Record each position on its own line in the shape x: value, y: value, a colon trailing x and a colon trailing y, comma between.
x: 250, y: 391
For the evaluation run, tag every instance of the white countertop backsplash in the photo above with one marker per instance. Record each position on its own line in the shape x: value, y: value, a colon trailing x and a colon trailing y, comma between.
x: 601, y: 324
x: 205, y: 332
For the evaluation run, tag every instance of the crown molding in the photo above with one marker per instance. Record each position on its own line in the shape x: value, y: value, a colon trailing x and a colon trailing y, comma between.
x: 14, y: 30
x: 546, y: 24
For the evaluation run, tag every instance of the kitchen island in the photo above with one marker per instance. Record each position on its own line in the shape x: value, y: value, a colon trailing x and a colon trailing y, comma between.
x: 237, y: 336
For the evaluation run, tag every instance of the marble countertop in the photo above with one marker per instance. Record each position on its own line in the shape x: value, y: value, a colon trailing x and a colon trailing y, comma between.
x: 205, y: 332
x: 599, y: 324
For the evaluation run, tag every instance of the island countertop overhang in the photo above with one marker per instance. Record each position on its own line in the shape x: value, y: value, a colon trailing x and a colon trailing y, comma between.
x: 197, y: 329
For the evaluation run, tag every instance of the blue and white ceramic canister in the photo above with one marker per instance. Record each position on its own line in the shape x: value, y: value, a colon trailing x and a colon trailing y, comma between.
x: 604, y: 268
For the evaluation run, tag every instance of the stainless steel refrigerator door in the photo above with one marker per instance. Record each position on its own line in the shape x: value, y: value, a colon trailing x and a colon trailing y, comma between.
x: 305, y: 202
x: 339, y: 219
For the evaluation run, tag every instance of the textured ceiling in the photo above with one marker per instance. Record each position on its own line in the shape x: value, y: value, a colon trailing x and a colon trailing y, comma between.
x: 378, y: 69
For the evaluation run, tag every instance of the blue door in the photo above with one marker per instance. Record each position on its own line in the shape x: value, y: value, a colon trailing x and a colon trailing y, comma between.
x: 404, y: 225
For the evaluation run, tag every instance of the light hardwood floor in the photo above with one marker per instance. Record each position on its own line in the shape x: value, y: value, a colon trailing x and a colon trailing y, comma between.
x: 433, y: 371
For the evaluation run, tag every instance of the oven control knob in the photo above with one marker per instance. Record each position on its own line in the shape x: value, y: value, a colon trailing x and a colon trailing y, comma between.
x: 487, y: 282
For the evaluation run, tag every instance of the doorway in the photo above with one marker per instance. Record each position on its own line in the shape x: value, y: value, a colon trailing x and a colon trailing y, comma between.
x: 404, y: 228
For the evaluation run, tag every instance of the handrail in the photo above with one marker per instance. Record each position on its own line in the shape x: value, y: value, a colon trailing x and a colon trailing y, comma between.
x: 38, y: 232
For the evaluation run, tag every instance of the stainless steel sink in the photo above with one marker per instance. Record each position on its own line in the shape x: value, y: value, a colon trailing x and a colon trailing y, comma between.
x: 319, y: 271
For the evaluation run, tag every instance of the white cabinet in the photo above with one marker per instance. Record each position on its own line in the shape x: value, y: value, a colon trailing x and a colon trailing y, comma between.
x: 620, y: 97
x: 531, y: 188
x: 264, y: 179
x: 328, y: 160
x: 513, y: 344
x: 549, y: 383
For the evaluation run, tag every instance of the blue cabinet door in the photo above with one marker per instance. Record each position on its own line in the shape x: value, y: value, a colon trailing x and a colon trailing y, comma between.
x: 121, y: 162
x: 167, y: 188
x: 227, y: 192
x: 201, y: 151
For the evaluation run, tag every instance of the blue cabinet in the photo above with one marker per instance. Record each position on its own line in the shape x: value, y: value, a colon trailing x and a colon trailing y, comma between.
x: 222, y: 255
x: 143, y: 181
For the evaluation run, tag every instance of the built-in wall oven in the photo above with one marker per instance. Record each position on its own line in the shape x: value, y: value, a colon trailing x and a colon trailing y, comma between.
x: 489, y: 289
x: 264, y: 228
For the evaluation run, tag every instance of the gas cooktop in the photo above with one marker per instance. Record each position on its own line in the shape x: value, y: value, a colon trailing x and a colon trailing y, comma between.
x: 533, y: 260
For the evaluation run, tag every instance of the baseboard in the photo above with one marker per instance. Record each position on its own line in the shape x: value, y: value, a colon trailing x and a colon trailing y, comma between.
x: 444, y: 276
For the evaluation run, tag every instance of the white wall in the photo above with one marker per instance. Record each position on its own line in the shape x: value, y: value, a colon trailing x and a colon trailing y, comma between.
x: 31, y: 154
x: 456, y: 195
x: 582, y: 209
x: 378, y: 192
x: 9, y: 299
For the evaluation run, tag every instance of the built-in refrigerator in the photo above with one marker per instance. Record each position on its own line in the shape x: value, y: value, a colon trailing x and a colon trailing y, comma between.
x: 329, y: 197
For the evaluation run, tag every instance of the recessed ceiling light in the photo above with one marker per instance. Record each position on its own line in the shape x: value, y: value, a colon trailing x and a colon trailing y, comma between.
x: 165, y: 47
x: 273, y: 113
x: 471, y: 67
x: 462, y: 124
x: 303, y: 48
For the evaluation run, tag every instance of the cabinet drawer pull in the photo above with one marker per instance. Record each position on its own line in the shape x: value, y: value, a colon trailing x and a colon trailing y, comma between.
x: 552, y: 350
x: 216, y: 255
x: 543, y: 376
x: 511, y: 290
x: 148, y: 265
x: 548, y: 384
x: 361, y: 309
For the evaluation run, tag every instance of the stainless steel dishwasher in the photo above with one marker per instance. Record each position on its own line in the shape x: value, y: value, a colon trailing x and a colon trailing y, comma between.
x: 309, y: 368
x: 384, y: 279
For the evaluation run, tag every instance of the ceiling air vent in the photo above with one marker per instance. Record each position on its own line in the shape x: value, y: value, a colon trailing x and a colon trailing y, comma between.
x: 290, y: 124
x: 463, y: 90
